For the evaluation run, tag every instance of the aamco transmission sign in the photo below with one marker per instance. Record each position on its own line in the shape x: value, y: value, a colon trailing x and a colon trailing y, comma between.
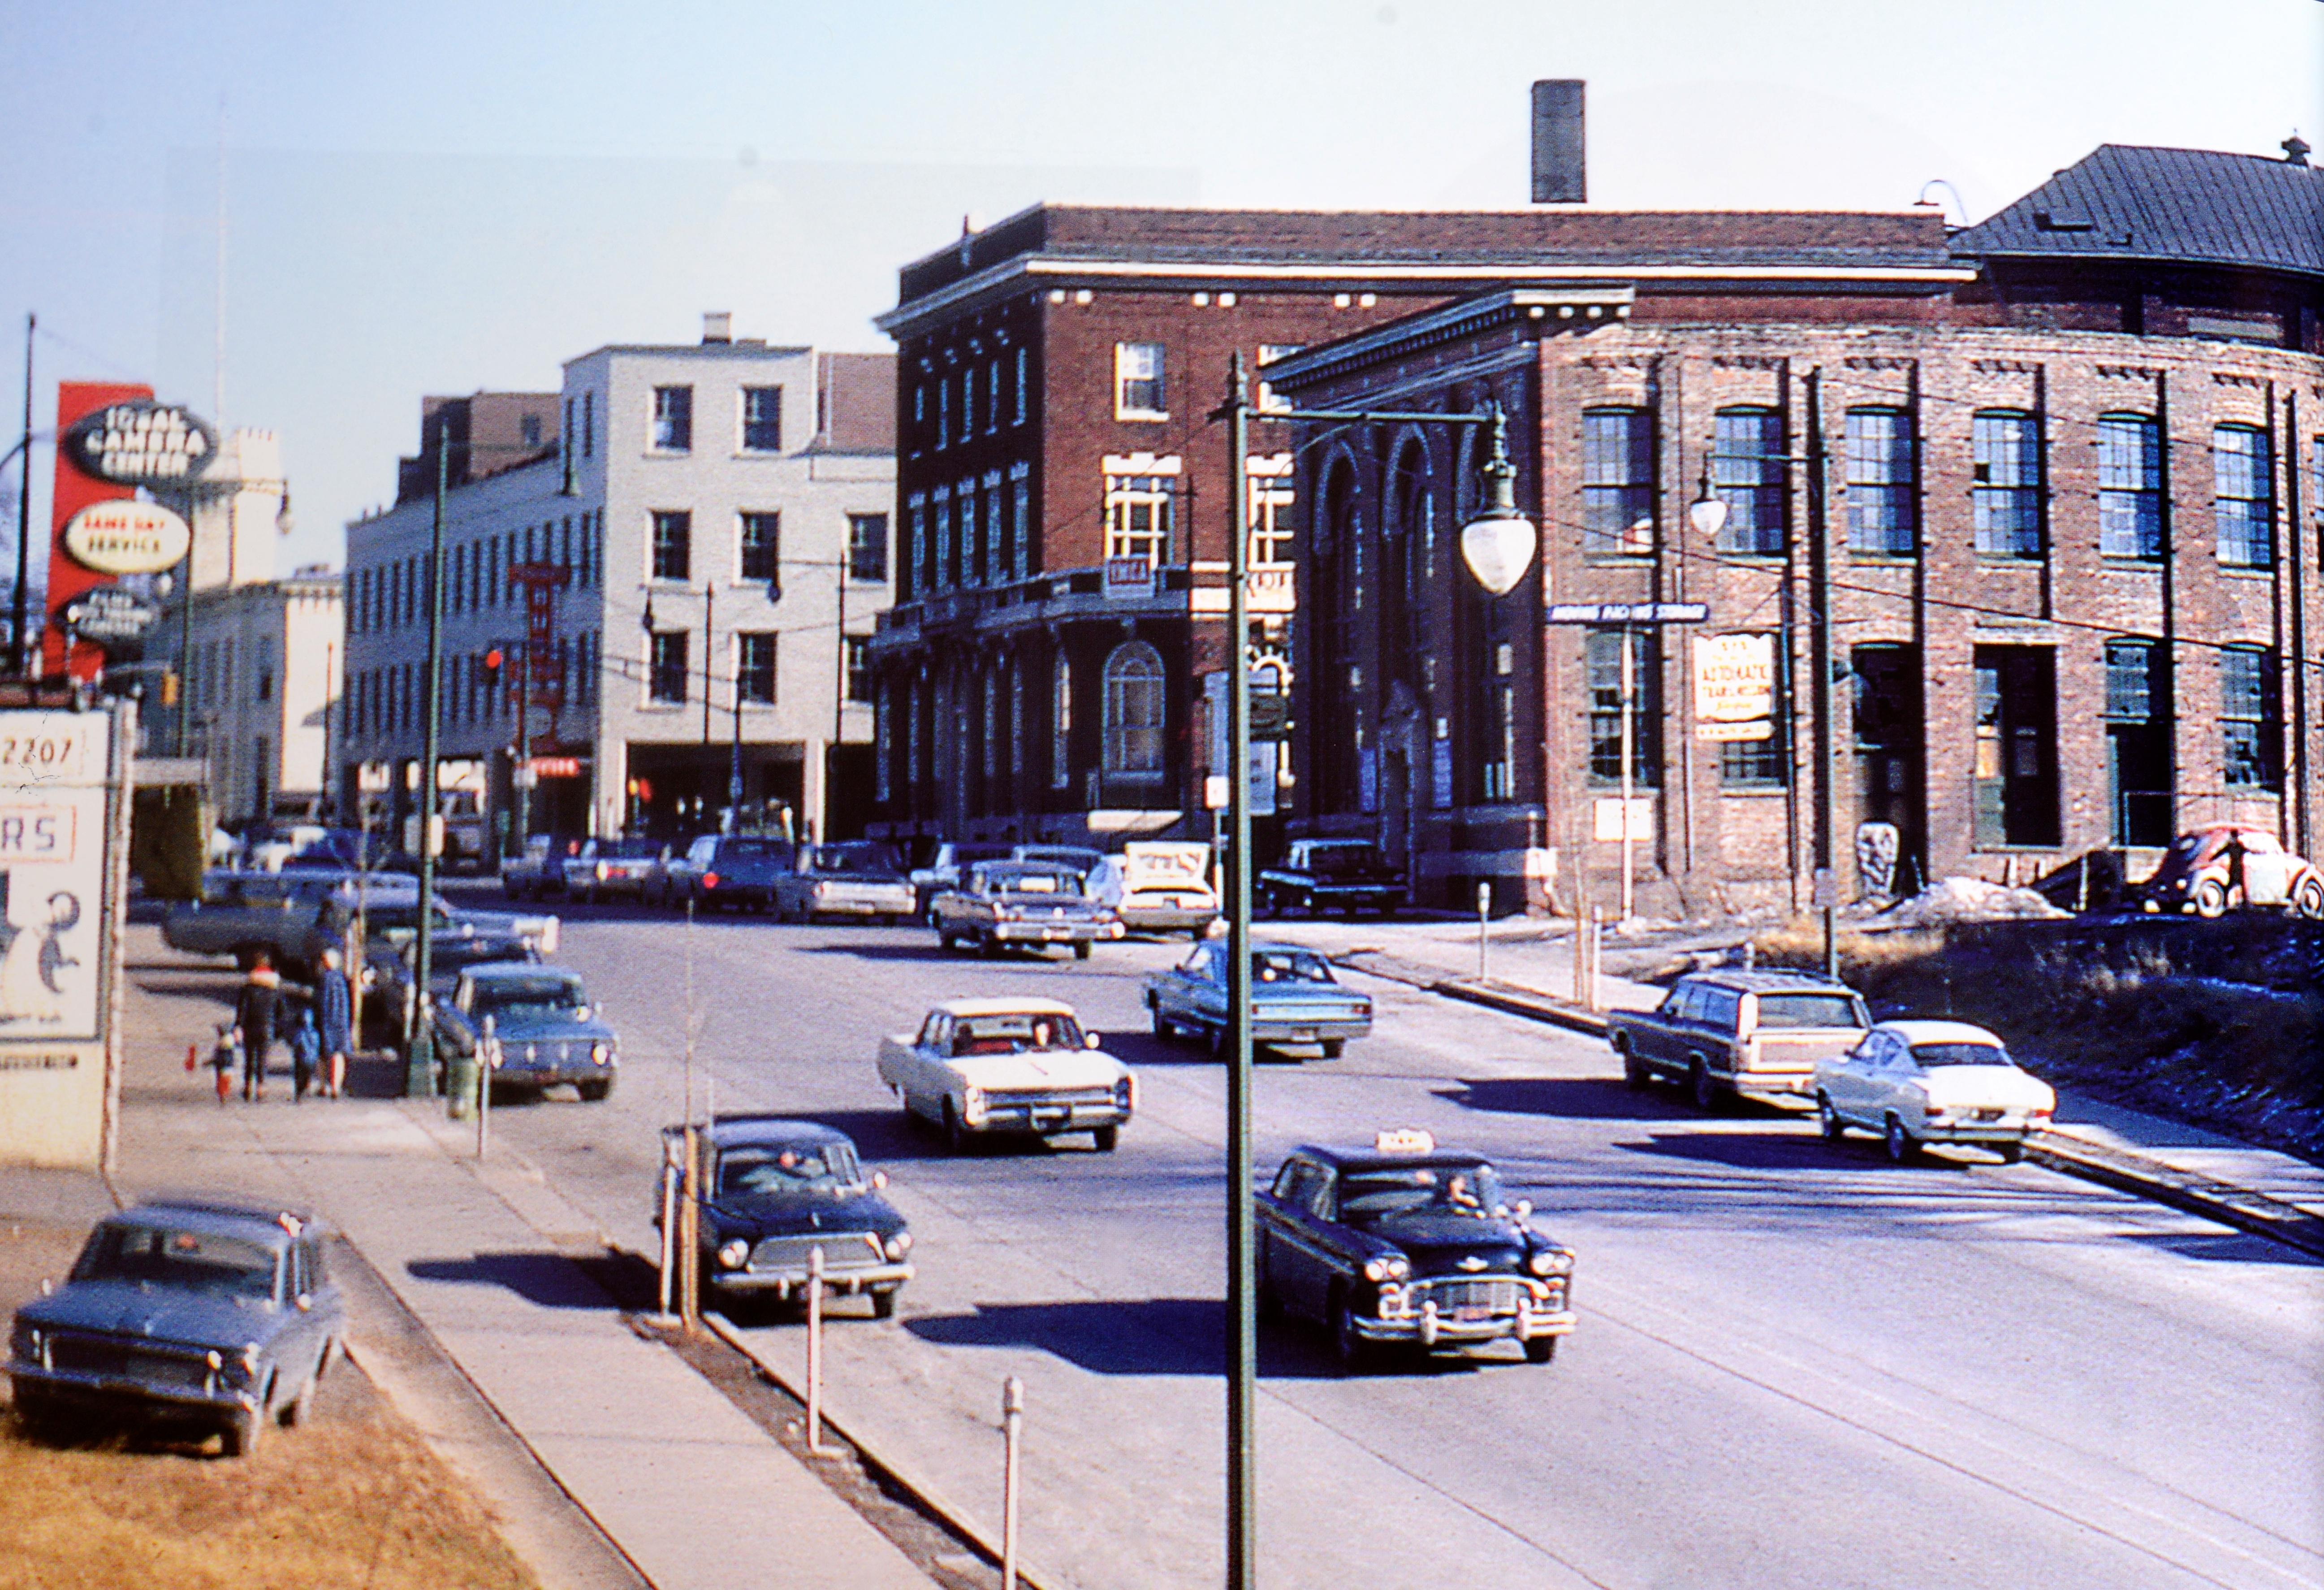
x: 127, y: 537
x: 141, y: 442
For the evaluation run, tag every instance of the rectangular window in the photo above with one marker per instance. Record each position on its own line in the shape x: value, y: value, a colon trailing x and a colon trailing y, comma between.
x: 2006, y: 500
x: 867, y: 546
x: 996, y: 543
x: 971, y: 571
x: 859, y: 667
x: 884, y: 746
x: 666, y: 666
x: 761, y: 549
x: 1020, y: 519
x: 2243, y: 501
x: 2249, y: 719
x: 1602, y: 656
x: 1139, y: 393
x: 762, y: 419
x: 1747, y: 472
x: 1272, y: 497
x: 754, y: 665
x: 1617, y: 476
x: 943, y: 413
x: 673, y: 419
x: 1024, y: 371
x: 588, y: 424
x: 673, y: 544
x: 992, y: 398
x: 943, y: 564
x: 1268, y: 352
x: 2130, y: 686
x: 967, y: 402
x: 2130, y: 487
x: 918, y: 551
x: 1744, y: 765
x: 1138, y: 517
x: 1880, y: 517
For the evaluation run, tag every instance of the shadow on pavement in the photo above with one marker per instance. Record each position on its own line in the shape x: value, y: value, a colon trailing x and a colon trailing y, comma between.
x: 1572, y: 1098
x: 890, y: 1134
x: 2239, y: 1246
x: 1769, y: 1150
x: 548, y: 1280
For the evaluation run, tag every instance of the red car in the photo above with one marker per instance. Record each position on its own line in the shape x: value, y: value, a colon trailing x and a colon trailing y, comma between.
x: 2225, y: 864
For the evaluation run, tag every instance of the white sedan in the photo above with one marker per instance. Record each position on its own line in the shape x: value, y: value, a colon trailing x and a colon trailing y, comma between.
x: 1021, y: 1065
x: 1921, y: 1082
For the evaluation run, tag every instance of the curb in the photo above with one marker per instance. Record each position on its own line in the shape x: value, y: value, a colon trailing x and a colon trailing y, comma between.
x: 953, y: 1517
x: 2242, y: 1208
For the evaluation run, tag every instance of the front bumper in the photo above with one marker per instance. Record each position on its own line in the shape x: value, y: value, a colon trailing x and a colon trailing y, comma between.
x: 784, y: 1279
x: 1046, y: 1118
x: 1055, y: 932
x: 120, y: 1393
x: 1157, y: 919
x: 1542, y: 1309
x: 551, y: 1075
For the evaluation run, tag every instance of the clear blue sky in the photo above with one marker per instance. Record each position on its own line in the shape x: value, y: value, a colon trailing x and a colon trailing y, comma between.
x: 434, y: 197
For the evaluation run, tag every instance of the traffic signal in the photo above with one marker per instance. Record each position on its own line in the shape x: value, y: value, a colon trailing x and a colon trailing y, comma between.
x: 168, y: 687
x: 494, y: 660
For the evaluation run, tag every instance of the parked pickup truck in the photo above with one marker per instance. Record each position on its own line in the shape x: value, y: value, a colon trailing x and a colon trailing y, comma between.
x: 1331, y: 874
x: 1748, y: 1034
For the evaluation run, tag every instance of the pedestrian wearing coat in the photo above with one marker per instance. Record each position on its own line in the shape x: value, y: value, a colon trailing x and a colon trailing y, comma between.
x: 334, y: 1018
x: 254, y: 1016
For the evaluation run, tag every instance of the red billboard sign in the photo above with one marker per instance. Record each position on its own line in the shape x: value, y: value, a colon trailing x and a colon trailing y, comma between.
x: 77, y: 487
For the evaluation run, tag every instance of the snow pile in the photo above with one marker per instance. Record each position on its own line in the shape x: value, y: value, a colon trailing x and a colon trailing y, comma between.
x: 1966, y: 900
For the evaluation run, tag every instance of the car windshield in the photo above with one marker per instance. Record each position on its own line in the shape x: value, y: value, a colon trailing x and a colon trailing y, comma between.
x: 175, y: 1257
x: 781, y: 1167
x: 862, y: 861
x: 1288, y: 965
x: 546, y: 996
x: 1029, y: 881
x: 1809, y: 1010
x: 1329, y: 859
x: 768, y: 849
x: 627, y: 849
x: 1065, y: 855
x: 1371, y: 1195
x: 1014, y: 1032
x: 1961, y: 1054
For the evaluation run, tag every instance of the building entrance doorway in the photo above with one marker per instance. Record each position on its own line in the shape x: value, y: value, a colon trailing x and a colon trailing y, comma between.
x: 1889, y: 760
x: 2016, y: 761
x: 2138, y: 743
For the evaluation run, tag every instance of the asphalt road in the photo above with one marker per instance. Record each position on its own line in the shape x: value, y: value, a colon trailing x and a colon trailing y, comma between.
x: 1792, y: 1366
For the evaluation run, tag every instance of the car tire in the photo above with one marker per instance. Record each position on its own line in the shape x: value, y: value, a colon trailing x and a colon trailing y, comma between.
x: 1105, y: 1137
x: 1165, y: 1029
x: 987, y: 946
x: 956, y: 1135
x: 2010, y: 1152
x: 594, y: 1093
x: 300, y: 1408
x: 1081, y: 952
x: 1270, y: 1301
x: 1828, y: 1122
x: 883, y: 1303
x: 1903, y: 1147
x: 1349, y: 1350
x: 36, y: 1416
x: 238, y: 1437
x: 1333, y: 1048
x: 2309, y: 901
x: 1703, y: 1088
x: 929, y: 916
x: 1541, y: 1349
x: 2210, y: 898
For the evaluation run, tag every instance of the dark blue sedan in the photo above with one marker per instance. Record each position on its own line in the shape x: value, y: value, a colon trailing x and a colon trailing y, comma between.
x: 544, y: 1028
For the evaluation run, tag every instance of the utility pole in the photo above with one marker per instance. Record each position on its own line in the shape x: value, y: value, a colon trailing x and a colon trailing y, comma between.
x: 520, y: 774
x: 1827, y: 882
x: 22, y: 614
x: 838, y: 700
x: 1243, y: 1310
x: 419, y: 1065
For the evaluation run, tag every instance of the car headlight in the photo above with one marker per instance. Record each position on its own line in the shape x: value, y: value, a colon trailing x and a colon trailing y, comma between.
x: 1550, y: 1262
x: 1388, y: 1267
x: 600, y: 1054
x: 24, y: 1343
x: 896, y: 1247
x: 735, y: 1254
x: 1125, y: 1095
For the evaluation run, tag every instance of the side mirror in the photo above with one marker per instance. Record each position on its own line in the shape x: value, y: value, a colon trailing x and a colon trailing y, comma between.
x: 878, y: 1180
x: 1094, y: 1040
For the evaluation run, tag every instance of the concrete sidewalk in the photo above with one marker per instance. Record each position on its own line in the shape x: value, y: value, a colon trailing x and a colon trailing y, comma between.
x: 1534, y: 962
x: 684, y: 1487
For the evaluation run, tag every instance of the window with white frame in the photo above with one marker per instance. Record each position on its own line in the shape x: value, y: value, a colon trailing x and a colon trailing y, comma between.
x: 1272, y: 498
x: 941, y: 570
x: 1020, y: 519
x: 859, y: 667
x: 673, y: 419
x: 992, y: 398
x: 1140, y: 505
x: 971, y: 572
x: 1138, y: 389
x: 666, y: 666
x: 760, y: 548
x: 1024, y: 374
x: 1061, y: 722
x: 1135, y: 698
x: 754, y: 667
x: 673, y: 544
x: 1268, y: 352
x: 996, y: 544
x: 762, y: 419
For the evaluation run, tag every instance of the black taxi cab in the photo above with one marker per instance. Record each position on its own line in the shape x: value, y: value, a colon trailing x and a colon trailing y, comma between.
x: 1407, y: 1243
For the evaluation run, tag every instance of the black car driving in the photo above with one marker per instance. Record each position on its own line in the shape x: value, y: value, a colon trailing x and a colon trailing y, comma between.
x: 774, y: 1190
x: 1405, y: 1243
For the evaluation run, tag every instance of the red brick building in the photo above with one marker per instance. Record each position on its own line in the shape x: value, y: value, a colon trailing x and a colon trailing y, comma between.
x: 2066, y: 464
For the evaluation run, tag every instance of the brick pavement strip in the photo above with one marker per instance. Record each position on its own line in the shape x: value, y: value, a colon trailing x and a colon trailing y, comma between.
x: 692, y: 1492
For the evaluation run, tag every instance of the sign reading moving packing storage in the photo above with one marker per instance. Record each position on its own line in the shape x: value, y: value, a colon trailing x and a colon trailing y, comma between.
x: 1734, y: 686
x: 63, y: 853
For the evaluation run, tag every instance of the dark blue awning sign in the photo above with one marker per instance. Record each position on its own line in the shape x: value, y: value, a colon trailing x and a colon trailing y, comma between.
x: 1628, y: 611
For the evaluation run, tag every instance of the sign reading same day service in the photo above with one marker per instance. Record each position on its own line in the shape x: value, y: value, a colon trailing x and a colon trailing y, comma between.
x: 63, y: 849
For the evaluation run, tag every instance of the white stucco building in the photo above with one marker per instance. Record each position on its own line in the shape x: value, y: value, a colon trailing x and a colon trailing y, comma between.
x: 731, y: 493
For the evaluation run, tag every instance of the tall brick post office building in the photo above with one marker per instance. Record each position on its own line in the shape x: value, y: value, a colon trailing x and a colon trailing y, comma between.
x: 2065, y: 464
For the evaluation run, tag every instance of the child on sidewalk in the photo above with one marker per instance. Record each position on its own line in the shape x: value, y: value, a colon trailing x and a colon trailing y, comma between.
x: 306, y: 1048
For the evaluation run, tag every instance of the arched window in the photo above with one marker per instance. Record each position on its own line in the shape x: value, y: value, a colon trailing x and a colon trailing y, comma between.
x: 1136, y: 710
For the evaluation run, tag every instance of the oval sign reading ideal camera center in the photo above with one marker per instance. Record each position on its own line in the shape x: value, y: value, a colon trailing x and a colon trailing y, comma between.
x: 127, y: 538
x: 141, y: 442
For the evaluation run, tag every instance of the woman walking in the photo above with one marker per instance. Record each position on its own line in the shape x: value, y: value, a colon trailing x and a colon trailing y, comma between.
x: 334, y: 1012
x: 253, y: 1017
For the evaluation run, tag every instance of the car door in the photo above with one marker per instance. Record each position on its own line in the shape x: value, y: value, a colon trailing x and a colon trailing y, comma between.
x: 1307, y: 1278
x: 1845, y: 1082
x: 1274, y: 1215
x: 2267, y: 870
x: 1662, y: 1036
x: 928, y: 1080
x: 1209, y: 987
x: 1886, y: 1066
x: 1718, y: 1014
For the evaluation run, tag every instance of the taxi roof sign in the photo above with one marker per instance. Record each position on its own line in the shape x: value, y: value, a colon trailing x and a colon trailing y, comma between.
x: 1404, y: 1140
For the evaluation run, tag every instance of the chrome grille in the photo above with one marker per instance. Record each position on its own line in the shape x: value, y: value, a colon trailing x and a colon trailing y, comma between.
x: 97, y: 1355
x: 852, y: 1250
x: 1046, y: 1097
x: 1499, y: 1297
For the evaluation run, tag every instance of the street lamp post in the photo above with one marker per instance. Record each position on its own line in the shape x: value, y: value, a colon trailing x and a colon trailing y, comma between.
x: 1497, y: 546
x: 419, y: 1065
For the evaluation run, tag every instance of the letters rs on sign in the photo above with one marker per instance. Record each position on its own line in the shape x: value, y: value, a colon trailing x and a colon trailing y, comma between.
x: 36, y: 833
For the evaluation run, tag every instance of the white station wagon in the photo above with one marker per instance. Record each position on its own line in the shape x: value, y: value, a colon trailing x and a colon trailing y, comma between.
x: 1921, y: 1082
x: 1021, y: 1066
